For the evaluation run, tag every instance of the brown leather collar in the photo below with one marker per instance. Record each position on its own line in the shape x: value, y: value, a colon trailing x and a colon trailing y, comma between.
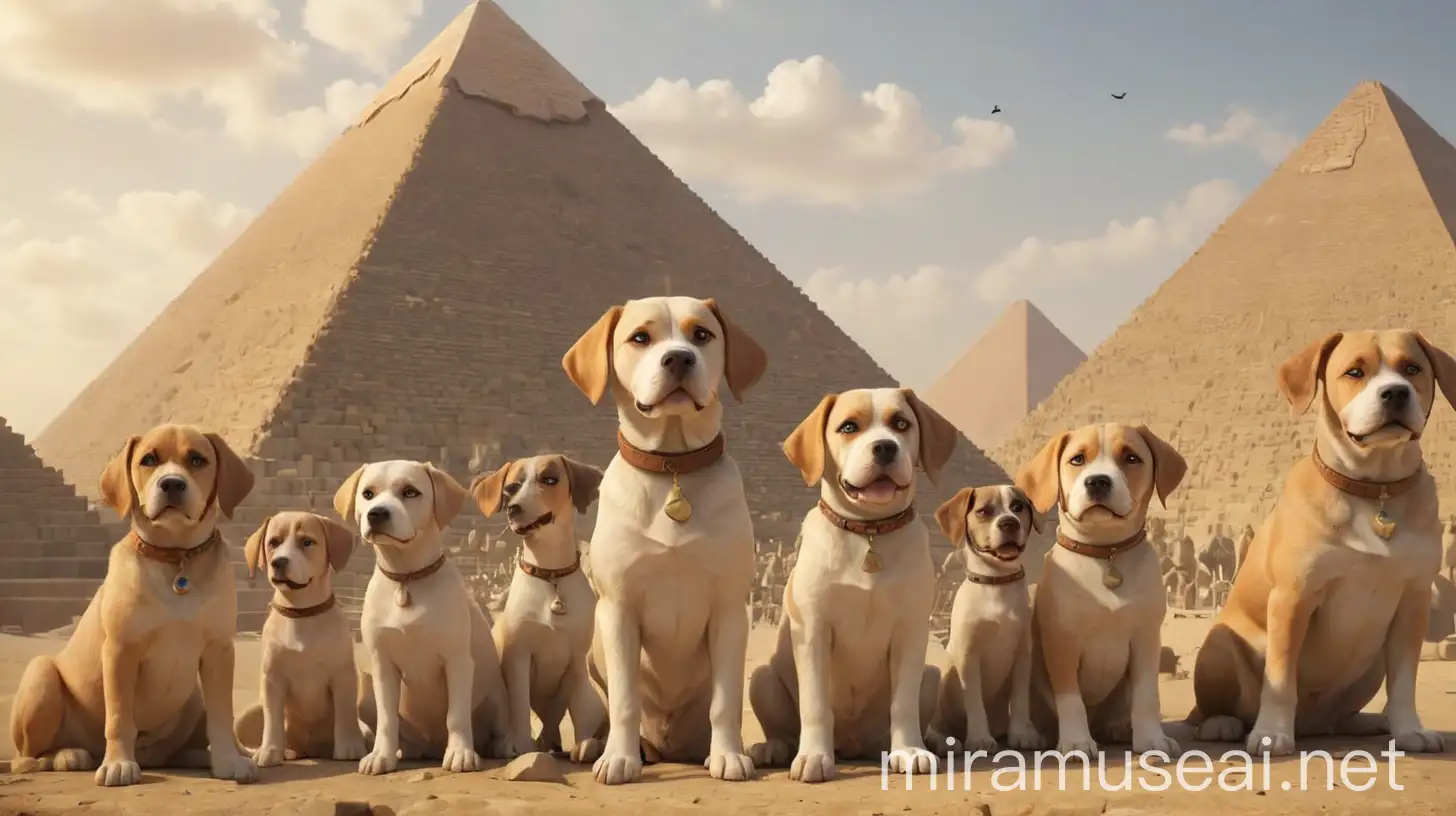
x: 168, y: 555
x: 1365, y: 490
x: 995, y: 580
x: 678, y: 463
x: 1104, y: 551
x: 875, y: 527
x: 304, y: 612
x: 550, y: 575
x: 406, y: 577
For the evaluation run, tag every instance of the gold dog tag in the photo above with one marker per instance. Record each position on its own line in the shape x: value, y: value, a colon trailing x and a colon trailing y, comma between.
x: 402, y: 595
x: 558, y: 607
x: 677, y: 507
x: 871, y: 562
x: 1382, y: 524
x: 1112, y: 579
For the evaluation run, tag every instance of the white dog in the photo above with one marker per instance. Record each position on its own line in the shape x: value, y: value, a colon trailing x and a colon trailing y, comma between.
x: 985, y: 695
x: 848, y: 677
x: 437, y: 680
x: 672, y: 555
x: 545, y: 632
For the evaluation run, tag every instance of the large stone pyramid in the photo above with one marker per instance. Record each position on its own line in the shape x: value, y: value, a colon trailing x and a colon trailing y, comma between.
x: 1352, y: 231
x: 1007, y: 372
x: 411, y: 295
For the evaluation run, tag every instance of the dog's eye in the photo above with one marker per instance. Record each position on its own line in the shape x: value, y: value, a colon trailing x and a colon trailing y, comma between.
x: 307, y: 542
x: 1131, y: 458
x: 367, y: 494
x: 197, y: 460
x: 1077, y: 461
x: 849, y: 426
x: 549, y: 481
x: 983, y: 512
x: 900, y: 424
x: 1355, y: 374
x: 149, y: 460
x: 639, y: 338
x: 510, y: 489
x: 1017, y: 507
x: 701, y: 335
x: 410, y: 493
x: 274, y: 542
x: 1411, y: 369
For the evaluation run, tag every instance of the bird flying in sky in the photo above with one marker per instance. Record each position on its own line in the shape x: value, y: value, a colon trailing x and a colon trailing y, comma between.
x: 1119, y: 96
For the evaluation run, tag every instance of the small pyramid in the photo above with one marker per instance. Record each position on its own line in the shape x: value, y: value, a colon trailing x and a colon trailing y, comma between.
x: 1352, y: 231
x: 1005, y: 373
x: 411, y: 294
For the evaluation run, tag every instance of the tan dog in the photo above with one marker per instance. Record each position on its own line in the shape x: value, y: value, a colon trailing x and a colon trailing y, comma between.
x: 1099, y: 609
x: 126, y: 684
x: 848, y: 676
x: 437, y: 682
x: 985, y: 695
x: 545, y: 632
x: 310, y: 689
x: 1333, y: 594
x: 672, y: 556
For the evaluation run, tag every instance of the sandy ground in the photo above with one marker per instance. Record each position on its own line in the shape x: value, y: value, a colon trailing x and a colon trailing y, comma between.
x: 1429, y: 783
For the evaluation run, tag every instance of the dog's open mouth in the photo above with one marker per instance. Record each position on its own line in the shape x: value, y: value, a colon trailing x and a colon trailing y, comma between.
x: 883, y: 489
x: 280, y: 581
x: 527, y: 529
x: 1007, y: 551
x: 675, y: 398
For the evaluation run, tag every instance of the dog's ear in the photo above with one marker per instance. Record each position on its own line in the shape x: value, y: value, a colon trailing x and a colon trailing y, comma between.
x: 116, y: 487
x: 340, y: 542
x: 951, y: 516
x: 937, y: 435
x: 745, y: 358
x: 344, y: 496
x: 1442, y: 366
x: 805, y: 446
x: 1299, y: 376
x: 1031, y: 508
x: 1041, y: 478
x: 589, y: 362
x: 584, y: 481
x: 1169, y: 466
x: 487, y: 489
x: 449, y: 495
x: 234, y: 480
x: 253, y: 550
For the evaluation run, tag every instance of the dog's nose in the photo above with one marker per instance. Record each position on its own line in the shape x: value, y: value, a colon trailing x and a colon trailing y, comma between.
x: 1395, y: 397
x: 1098, y: 484
x: 1008, y: 524
x: 279, y: 564
x: 377, y: 515
x: 513, y: 510
x: 884, y: 451
x: 172, y: 485
x: 678, y: 362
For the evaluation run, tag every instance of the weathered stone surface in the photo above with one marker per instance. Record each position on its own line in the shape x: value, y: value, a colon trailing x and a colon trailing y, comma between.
x: 536, y: 766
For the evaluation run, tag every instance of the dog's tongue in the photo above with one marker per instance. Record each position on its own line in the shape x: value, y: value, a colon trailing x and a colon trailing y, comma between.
x: 880, y: 490
x: 1007, y: 551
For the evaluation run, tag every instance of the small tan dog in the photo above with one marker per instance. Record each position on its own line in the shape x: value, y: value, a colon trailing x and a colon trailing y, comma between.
x: 126, y: 684
x: 1099, y: 609
x: 1333, y: 594
x: 985, y: 695
x: 310, y: 689
x: 848, y: 676
x: 437, y: 688
x: 545, y: 632
x: 672, y: 555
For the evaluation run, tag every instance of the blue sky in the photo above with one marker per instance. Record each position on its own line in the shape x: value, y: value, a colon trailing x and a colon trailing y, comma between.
x: 136, y: 156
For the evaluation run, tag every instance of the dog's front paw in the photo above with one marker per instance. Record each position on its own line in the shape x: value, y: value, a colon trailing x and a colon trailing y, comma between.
x: 729, y: 766
x: 377, y: 762
x: 269, y: 756
x: 1156, y: 742
x: 234, y: 767
x: 772, y: 753
x: 911, y: 759
x: 1273, y: 743
x: 460, y: 758
x: 117, y: 773
x: 1025, y: 737
x: 1220, y: 729
x: 350, y: 748
x: 1420, y: 741
x: 1086, y: 746
x: 586, y: 751
x: 72, y: 759
x: 978, y: 742
x: 503, y: 746
x: 617, y: 768
x: 812, y: 768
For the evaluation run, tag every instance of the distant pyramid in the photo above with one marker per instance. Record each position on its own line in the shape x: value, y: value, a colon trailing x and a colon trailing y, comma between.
x: 411, y: 294
x: 1007, y: 372
x: 1352, y: 231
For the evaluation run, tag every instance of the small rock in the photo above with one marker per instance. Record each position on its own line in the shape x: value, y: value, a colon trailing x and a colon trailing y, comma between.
x: 351, y: 809
x: 536, y: 766
x: 423, y: 776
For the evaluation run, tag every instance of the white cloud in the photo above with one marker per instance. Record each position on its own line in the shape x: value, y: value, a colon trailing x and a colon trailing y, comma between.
x: 184, y: 224
x: 370, y: 32
x: 1242, y: 127
x: 306, y: 131
x: 807, y: 138
x: 915, y: 326
x: 11, y: 228
x: 78, y: 200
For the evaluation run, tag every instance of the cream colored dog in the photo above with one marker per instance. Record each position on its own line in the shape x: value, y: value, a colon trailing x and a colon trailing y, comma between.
x: 545, y: 632
x: 985, y: 695
x: 310, y: 689
x: 126, y: 684
x: 672, y: 555
x: 436, y: 676
x: 848, y: 677
x: 1099, y: 609
x: 1333, y: 594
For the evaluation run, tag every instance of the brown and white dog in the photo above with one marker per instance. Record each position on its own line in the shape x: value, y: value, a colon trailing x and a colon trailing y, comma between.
x: 437, y: 688
x: 1332, y: 597
x: 125, y: 687
x: 985, y: 694
x: 672, y: 555
x: 310, y: 689
x: 1099, y: 609
x: 861, y: 591
x: 545, y: 631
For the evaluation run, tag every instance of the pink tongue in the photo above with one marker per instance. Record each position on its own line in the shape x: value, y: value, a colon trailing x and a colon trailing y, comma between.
x: 879, y: 490
x: 1006, y: 551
